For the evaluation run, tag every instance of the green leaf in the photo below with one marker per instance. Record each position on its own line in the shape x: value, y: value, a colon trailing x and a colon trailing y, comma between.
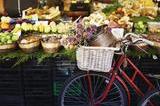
x: 141, y: 18
x: 111, y: 8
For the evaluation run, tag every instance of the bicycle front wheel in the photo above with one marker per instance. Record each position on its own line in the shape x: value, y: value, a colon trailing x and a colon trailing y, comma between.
x: 151, y: 99
x: 77, y: 92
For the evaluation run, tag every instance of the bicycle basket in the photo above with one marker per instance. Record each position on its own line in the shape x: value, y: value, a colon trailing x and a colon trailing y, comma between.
x: 95, y: 58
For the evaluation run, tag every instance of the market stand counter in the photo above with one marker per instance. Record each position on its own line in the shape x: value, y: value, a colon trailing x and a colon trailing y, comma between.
x: 33, y: 84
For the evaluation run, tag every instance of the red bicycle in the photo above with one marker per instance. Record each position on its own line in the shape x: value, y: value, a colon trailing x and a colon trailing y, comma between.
x: 107, y: 88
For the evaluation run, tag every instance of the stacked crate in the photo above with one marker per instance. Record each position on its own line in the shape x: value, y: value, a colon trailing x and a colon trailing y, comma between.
x: 11, y: 93
x: 150, y: 65
x: 37, y: 83
x: 63, y: 69
x: 33, y: 84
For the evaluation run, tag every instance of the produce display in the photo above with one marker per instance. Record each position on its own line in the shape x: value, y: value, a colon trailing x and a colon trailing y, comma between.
x: 7, y: 38
x: 29, y: 39
x: 29, y: 44
x: 139, y: 7
x: 69, y: 43
x: 98, y: 6
x: 7, y: 42
x: 51, y: 44
x: 154, y: 27
x: 122, y: 16
x: 45, y: 27
x: 140, y: 27
x: 96, y: 18
x: 44, y: 13
x: 5, y: 22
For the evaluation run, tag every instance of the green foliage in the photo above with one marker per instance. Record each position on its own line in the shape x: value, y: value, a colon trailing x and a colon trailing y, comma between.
x: 114, y: 1
x: 21, y: 60
x: 68, y: 53
x: 111, y: 8
x: 140, y: 23
x: 141, y: 18
x: 145, y: 19
x: 40, y: 56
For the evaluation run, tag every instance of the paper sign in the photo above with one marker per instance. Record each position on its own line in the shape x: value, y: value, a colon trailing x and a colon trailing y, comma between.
x: 42, y: 22
x: 118, y: 33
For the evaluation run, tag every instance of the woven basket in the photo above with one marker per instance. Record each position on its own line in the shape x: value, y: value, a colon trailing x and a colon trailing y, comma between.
x: 7, y: 47
x: 29, y: 47
x: 50, y: 47
x: 95, y: 58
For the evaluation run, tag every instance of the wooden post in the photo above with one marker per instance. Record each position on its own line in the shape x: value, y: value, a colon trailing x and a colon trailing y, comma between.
x: 1, y: 7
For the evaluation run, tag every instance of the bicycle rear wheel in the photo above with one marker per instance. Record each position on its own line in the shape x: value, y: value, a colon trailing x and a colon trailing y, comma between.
x: 151, y: 99
x: 76, y: 91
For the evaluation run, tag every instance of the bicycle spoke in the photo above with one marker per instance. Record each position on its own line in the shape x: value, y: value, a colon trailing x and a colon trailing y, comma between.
x: 95, y: 88
x: 73, y: 99
x: 115, y: 103
x: 77, y: 92
x: 151, y: 99
x: 113, y: 93
x: 71, y: 96
x: 100, y: 85
x: 82, y: 88
x: 73, y: 93
x: 116, y: 98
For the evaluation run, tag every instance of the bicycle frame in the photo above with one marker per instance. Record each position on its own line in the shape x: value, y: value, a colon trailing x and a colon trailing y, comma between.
x: 115, y: 73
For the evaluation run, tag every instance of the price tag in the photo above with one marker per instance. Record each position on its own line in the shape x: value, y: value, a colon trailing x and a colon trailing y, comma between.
x: 35, y: 17
x: 118, y: 33
x: 42, y: 22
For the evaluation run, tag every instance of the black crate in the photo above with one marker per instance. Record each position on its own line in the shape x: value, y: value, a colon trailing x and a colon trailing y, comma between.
x: 32, y: 64
x: 149, y: 65
x: 11, y: 93
x: 7, y: 64
x: 38, y: 101
x: 63, y: 68
x: 10, y: 78
x: 37, y: 79
x: 37, y: 83
x: 11, y: 100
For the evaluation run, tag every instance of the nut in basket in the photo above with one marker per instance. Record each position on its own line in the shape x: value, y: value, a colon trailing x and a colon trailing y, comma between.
x: 7, y: 47
x: 51, y: 44
x: 29, y: 44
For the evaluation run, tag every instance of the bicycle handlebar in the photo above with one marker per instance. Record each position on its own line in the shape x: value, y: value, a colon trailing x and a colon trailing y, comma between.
x: 138, y: 38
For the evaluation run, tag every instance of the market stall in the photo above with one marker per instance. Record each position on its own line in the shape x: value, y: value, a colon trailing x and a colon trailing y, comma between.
x: 45, y: 38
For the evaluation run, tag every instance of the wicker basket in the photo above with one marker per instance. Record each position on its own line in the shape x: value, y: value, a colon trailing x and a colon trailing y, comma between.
x: 95, y: 58
x: 50, y: 47
x: 29, y: 47
x: 7, y: 47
